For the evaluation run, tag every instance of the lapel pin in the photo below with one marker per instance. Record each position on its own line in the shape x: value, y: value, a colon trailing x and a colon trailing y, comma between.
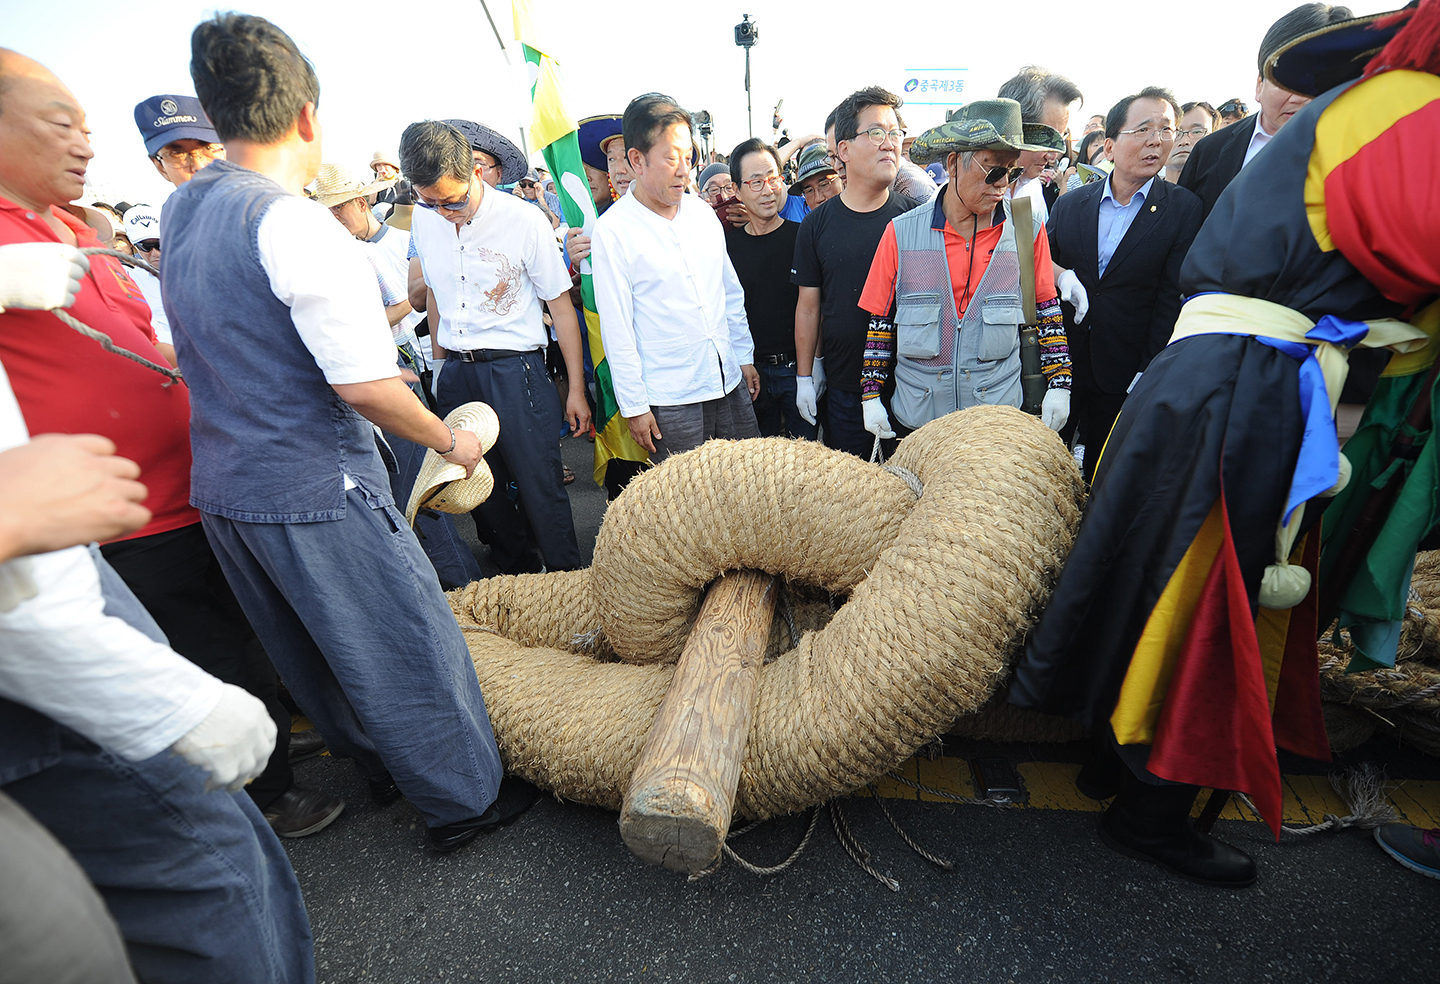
x: 1152, y: 208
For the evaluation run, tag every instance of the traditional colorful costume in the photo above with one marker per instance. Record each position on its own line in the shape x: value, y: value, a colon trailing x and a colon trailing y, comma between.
x: 1157, y: 628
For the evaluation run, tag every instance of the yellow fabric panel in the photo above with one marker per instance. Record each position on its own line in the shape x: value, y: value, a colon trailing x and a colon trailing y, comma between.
x: 1356, y: 117
x: 1428, y: 321
x: 1153, y: 663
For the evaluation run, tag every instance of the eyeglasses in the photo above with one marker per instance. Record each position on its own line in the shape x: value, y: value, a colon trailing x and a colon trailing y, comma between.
x: 448, y: 206
x: 1234, y: 107
x: 878, y: 135
x: 816, y: 187
x: 1195, y: 131
x: 760, y: 184
x: 147, y: 245
x: 1143, y: 132
x: 716, y: 194
x: 1010, y: 173
x: 192, y: 157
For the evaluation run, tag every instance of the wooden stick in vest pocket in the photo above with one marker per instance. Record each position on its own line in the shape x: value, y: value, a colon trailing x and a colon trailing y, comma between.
x: 1032, y: 379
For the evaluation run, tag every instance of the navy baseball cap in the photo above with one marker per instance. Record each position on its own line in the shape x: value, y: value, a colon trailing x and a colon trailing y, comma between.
x: 166, y: 118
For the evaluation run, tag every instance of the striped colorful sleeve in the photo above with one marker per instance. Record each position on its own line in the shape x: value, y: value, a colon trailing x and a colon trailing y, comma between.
x: 1054, y: 347
x: 879, y: 356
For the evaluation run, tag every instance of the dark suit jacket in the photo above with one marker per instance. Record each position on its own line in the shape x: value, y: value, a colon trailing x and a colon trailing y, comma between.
x: 1134, y: 306
x: 1216, y: 159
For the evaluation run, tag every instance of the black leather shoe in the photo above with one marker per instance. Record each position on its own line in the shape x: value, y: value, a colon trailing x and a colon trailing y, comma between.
x: 516, y: 796
x: 300, y: 812
x: 383, y: 790
x: 305, y: 744
x: 1175, y: 845
x: 1099, y: 777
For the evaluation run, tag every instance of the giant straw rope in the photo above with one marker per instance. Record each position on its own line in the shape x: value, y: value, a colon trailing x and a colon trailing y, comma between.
x: 937, y: 594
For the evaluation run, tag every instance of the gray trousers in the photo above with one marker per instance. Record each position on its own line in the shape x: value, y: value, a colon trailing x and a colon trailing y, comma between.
x: 690, y: 425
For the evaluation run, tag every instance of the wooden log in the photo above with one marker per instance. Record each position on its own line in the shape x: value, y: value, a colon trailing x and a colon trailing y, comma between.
x: 681, y: 794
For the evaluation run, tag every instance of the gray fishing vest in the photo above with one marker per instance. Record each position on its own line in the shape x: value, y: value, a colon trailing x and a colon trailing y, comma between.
x: 945, y: 362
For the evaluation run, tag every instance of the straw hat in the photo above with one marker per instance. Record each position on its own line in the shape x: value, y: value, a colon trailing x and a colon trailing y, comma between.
x: 336, y: 184
x: 441, y: 484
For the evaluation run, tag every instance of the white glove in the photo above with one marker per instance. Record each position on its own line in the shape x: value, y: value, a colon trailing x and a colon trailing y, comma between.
x: 817, y: 371
x: 1071, y: 289
x: 1055, y: 408
x: 805, y: 397
x: 435, y: 366
x: 40, y: 276
x: 234, y: 741
x: 877, y: 421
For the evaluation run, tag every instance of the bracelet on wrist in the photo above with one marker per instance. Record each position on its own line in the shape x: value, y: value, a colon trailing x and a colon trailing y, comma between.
x: 451, y: 450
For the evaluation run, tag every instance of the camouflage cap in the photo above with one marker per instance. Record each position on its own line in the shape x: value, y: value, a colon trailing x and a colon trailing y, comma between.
x: 986, y: 124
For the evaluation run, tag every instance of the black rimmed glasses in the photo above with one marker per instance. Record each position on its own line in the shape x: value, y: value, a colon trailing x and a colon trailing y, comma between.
x: 147, y: 245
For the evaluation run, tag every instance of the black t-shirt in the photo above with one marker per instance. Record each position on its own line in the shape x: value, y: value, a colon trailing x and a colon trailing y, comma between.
x: 833, y: 252
x: 763, y: 265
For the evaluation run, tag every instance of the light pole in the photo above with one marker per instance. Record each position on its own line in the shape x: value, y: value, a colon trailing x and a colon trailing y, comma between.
x: 746, y: 34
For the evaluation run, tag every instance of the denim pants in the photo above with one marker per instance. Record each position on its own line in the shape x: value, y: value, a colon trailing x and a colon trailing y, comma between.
x: 845, y: 426
x: 353, y: 618
x: 176, y: 577
x: 527, y: 453
x: 775, y: 409
x: 197, y: 881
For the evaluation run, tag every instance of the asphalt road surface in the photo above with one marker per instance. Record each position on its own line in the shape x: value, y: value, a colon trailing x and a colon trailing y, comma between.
x: 1033, y: 895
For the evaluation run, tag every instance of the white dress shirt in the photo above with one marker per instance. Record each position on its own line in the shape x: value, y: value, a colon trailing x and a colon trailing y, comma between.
x: 150, y: 286
x: 61, y: 655
x: 489, y: 279
x: 672, y: 311
x: 1257, y: 141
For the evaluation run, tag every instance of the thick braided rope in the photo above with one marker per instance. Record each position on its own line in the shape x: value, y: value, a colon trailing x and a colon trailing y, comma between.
x: 954, y: 581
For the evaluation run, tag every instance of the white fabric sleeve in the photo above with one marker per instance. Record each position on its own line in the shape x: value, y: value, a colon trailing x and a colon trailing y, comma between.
x: 61, y: 655
x: 544, y: 263
x: 615, y: 304
x: 741, y: 340
x: 322, y: 274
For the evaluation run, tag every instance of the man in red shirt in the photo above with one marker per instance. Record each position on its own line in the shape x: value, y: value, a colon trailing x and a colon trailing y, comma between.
x: 66, y: 383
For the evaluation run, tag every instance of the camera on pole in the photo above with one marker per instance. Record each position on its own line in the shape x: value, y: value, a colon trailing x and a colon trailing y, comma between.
x: 746, y: 34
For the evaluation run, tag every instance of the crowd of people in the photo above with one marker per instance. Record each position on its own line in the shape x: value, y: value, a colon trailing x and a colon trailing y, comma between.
x: 839, y: 287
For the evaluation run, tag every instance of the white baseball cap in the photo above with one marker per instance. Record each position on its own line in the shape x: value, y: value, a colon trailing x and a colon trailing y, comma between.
x: 142, y: 222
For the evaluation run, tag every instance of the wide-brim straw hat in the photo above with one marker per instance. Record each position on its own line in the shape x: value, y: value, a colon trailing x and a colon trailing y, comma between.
x: 442, y: 485
x: 1320, y: 60
x: 513, y: 164
x: 336, y: 184
x: 985, y: 124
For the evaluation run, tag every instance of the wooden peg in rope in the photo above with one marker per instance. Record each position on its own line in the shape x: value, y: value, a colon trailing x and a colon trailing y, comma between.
x: 681, y: 795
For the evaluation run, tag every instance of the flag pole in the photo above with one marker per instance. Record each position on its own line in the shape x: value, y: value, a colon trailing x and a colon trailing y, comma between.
x: 524, y: 143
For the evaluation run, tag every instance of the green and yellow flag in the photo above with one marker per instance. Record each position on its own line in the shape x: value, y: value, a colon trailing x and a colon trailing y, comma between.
x: 554, y: 131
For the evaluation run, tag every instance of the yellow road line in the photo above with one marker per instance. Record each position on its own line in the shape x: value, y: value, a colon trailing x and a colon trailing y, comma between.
x: 1307, y: 799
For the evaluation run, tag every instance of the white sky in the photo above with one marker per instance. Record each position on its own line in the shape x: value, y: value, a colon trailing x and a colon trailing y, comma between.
x: 385, y: 65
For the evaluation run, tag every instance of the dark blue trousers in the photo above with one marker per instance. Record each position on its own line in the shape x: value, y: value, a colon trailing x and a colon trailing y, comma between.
x: 775, y: 409
x: 353, y: 618
x: 527, y: 454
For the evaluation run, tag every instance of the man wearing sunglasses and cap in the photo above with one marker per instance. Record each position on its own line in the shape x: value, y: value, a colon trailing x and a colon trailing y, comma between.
x: 953, y: 340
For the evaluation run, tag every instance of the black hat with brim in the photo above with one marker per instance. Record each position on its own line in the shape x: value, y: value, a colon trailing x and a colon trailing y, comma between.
x: 480, y: 137
x: 1332, y: 55
x: 593, y: 131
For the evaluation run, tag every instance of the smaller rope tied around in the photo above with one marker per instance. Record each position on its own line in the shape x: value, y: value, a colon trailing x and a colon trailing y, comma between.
x: 171, y: 374
x: 755, y: 869
x: 1363, y: 789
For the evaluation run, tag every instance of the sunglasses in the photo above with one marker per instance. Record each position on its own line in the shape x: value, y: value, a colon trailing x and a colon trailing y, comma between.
x: 147, y: 245
x: 1010, y: 173
x: 1233, y: 107
x: 527, y: 184
x: 448, y: 206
